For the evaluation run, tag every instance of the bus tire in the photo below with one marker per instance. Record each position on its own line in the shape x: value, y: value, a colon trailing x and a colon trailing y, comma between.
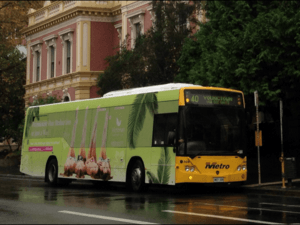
x: 52, y: 172
x: 137, y: 177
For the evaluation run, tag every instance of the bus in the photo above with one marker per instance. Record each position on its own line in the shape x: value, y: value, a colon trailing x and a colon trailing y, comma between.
x: 165, y: 134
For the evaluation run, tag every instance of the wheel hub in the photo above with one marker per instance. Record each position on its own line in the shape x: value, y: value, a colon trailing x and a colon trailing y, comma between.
x: 52, y: 172
x: 136, y: 177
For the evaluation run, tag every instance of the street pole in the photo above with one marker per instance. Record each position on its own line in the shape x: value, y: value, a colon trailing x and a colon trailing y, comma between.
x: 257, y: 134
x: 282, y: 154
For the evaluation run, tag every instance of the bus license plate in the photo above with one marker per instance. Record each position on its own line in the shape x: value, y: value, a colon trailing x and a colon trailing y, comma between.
x: 218, y: 179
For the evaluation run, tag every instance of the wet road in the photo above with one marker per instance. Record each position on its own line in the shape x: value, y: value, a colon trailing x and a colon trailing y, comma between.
x: 32, y: 201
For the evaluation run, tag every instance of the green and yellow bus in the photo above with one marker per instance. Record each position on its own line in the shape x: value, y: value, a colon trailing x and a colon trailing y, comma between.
x: 166, y: 134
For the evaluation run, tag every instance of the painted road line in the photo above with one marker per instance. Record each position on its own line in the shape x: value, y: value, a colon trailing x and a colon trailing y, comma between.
x: 266, y: 203
x: 250, y: 208
x: 105, y: 217
x: 220, y: 217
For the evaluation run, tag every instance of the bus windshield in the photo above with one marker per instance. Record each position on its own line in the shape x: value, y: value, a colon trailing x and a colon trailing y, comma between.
x: 211, y: 129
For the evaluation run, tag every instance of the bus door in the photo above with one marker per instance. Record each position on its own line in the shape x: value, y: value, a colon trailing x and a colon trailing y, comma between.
x: 163, y: 154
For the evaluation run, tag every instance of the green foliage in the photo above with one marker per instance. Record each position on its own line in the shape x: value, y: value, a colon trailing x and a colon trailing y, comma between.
x: 138, y: 113
x: 163, y: 170
x: 246, y: 45
x: 13, y: 17
x: 153, y: 59
x: 12, y: 79
x: 111, y: 79
x: 152, y: 177
x: 44, y: 101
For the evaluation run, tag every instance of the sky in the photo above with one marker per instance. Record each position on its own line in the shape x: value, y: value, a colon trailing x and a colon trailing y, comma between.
x: 22, y: 49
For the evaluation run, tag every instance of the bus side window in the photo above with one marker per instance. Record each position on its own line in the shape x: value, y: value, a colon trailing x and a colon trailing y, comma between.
x: 163, y: 123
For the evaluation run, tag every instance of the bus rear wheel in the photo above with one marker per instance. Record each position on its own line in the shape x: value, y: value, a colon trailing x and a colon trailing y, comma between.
x: 137, y: 177
x: 52, y: 172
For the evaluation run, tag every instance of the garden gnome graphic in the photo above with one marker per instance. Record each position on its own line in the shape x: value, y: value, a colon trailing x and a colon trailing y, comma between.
x: 70, y: 164
x: 103, y: 161
x: 80, y: 168
x: 91, y: 165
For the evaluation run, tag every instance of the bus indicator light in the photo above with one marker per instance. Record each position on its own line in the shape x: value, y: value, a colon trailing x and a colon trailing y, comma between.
x: 187, y: 100
x: 190, y: 177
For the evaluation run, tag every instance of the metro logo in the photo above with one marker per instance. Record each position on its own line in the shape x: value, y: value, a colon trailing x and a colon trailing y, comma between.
x: 214, y: 165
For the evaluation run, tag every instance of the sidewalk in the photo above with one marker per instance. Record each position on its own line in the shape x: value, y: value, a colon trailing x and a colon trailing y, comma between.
x: 275, y: 188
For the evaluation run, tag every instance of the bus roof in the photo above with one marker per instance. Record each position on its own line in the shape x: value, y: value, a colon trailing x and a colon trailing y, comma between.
x: 149, y: 89
x: 128, y: 92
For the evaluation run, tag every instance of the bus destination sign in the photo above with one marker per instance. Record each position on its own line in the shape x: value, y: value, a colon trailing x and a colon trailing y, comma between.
x: 210, y: 98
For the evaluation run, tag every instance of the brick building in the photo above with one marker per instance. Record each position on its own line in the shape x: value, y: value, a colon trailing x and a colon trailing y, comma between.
x: 67, y: 42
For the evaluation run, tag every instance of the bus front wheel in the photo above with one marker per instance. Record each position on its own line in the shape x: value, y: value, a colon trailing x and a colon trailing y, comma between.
x: 52, y: 172
x: 137, y: 177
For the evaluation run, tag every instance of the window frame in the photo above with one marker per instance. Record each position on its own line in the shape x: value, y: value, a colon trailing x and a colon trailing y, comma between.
x: 36, y: 47
x: 38, y: 66
x: 155, y: 119
x: 119, y: 30
x: 68, y: 66
x: 67, y: 35
x: 134, y: 18
x: 52, y: 69
x: 50, y: 42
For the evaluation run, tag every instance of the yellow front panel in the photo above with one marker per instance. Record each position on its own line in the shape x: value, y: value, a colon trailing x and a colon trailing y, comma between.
x: 209, y: 167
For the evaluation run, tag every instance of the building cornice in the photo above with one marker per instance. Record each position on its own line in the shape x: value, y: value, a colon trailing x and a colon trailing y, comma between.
x: 76, y: 80
x: 117, y: 26
x: 106, y: 14
x: 150, y: 7
x: 135, y: 13
x: 134, y: 5
x: 69, y: 30
x: 36, y: 43
x: 50, y: 37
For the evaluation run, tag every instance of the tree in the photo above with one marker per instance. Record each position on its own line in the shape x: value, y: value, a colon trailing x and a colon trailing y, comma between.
x: 44, y: 101
x: 246, y: 45
x: 13, y: 18
x: 12, y: 92
x: 153, y: 59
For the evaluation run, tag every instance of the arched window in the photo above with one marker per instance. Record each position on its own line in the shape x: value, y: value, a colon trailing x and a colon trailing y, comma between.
x: 66, y: 99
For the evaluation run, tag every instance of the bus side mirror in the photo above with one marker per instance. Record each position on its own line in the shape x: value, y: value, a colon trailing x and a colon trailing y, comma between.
x: 171, y: 138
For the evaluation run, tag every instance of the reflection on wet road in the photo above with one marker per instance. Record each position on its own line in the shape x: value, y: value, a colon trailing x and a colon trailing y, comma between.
x: 32, y: 201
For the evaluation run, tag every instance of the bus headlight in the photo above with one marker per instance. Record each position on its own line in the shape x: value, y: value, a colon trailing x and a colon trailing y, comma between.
x: 192, y: 169
x: 244, y: 167
x: 187, y: 169
x: 239, y: 168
